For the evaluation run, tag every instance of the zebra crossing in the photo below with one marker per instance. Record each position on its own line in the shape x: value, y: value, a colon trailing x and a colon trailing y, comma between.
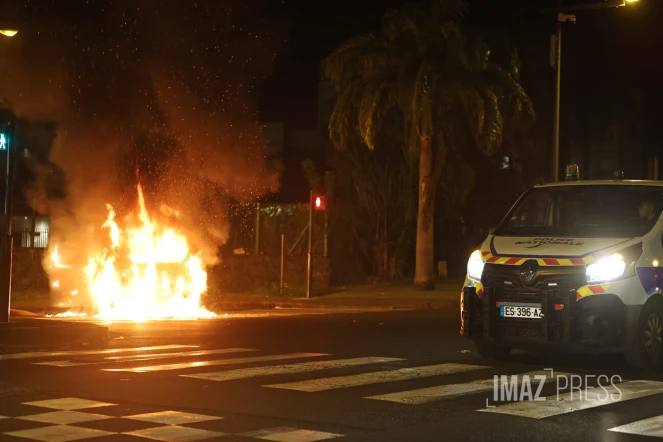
x: 323, y: 373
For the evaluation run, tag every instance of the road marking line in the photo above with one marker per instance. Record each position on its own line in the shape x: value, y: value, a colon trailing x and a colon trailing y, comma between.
x: 303, y: 367
x: 178, y: 354
x: 288, y: 434
x: 652, y: 426
x: 59, y: 433
x: 48, y: 354
x: 450, y: 391
x: 376, y: 377
x: 573, y: 401
x: 64, y: 417
x: 194, y: 364
x: 68, y: 403
x: 144, y: 357
x: 172, y: 417
x: 66, y: 363
x: 175, y: 433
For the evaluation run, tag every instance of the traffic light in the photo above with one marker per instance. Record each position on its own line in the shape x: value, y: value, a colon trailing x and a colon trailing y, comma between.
x: 319, y: 202
x: 4, y: 141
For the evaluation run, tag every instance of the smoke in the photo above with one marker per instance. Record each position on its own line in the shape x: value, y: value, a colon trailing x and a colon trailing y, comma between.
x: 160, y: 92
x: 168, y: 90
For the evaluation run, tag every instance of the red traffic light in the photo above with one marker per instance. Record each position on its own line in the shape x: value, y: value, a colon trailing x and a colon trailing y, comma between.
x: 319, y: 202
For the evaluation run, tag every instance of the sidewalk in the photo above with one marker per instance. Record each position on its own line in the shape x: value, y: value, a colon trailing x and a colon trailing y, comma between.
x: 29, y: 329
x: 393, y: 296
x: 383, y: 296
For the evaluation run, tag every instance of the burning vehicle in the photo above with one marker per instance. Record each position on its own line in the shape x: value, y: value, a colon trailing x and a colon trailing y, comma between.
x: 137, y: 268
x: 65, y: 274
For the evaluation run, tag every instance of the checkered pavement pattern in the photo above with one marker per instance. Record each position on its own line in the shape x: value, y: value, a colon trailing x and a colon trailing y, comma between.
x: 75, y: 419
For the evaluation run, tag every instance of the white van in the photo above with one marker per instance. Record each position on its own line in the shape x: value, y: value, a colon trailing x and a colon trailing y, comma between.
x: 575, y: 265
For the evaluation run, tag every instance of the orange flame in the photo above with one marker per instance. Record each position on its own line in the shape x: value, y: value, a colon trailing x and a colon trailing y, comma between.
x: 147, y: 272
x: 55, y: 259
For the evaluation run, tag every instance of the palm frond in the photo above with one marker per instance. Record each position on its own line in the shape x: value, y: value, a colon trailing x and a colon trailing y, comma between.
x: 489, y: 139
x: 399, y: 22
x: 356, y: 57
x: 515, y: 101
x: 342, y: 131
x: 369, y: 111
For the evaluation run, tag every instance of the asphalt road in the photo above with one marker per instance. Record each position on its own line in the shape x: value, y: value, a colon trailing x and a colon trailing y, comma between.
x: 387, y: 376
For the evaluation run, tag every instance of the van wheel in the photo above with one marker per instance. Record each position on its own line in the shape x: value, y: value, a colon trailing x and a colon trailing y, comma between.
x: 489, y: 350
x: 645, y: 352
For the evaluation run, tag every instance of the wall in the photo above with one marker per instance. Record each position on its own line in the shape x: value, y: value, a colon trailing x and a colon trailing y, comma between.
x: 27, y: 272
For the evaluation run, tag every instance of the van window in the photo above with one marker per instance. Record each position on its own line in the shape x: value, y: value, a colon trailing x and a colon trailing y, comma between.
x: 609, y: 211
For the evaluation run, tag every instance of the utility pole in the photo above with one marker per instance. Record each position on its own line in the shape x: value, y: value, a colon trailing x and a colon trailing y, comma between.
x: 309, y: 266
x: 256, y: 249
x: 282, y: 263
x: 6, y: 144
x: 558, y: 81
x: 6, y: 245
x: 561, y: 19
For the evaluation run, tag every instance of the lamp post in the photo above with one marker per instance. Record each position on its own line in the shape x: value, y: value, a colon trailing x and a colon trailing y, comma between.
x: 562, y: 18
x: 309, y: 263
x: 6, y: 241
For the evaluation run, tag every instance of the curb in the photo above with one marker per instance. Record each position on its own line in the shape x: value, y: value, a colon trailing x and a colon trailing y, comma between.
x: 232, y: 306
x: 267, y: 305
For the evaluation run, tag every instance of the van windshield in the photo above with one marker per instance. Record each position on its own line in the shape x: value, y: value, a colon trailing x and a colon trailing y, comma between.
x: 606, y: 211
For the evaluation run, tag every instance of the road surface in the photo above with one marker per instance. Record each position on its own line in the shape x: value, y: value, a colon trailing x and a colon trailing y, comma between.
x: 382, y: 376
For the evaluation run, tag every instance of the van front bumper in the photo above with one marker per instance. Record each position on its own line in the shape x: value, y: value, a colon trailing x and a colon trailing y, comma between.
x: 592, y: 324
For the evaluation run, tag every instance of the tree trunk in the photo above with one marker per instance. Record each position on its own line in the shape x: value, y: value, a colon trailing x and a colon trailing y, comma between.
x: 424, y: 277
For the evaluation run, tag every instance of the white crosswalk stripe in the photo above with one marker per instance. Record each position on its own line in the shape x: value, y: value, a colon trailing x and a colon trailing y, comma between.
x: 303, y: 367
x: 66, y: 363
x: 287, y: 434
x: 652, y: 427
x: 579, y: 400
x: 448, y: 391
x: 376, y: 377
x: 145, y: 357
x: 50, y: 354
x: 232, y: 361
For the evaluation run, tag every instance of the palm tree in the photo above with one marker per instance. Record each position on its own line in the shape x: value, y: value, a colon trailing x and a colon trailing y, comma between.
x: 441, y: 82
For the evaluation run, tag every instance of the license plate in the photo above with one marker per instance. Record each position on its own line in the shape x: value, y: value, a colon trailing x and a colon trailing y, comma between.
x: 509, y: 311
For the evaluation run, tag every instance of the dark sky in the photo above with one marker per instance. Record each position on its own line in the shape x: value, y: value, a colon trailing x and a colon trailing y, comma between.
x: 607, y: 53
x: 209, y: 47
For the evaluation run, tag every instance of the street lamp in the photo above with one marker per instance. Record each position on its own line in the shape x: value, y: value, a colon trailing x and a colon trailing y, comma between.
x: 562, y: 17
x: 6, y: 241
x: 6, y: 141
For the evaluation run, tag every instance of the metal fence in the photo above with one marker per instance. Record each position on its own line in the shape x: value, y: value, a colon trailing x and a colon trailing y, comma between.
x: 30, y: 233
x: 258, y: 229
x: 255, y: 228
x: 38, y: 239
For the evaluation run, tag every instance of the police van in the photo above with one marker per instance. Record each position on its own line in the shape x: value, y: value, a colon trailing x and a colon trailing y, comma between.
x: 575, y: 266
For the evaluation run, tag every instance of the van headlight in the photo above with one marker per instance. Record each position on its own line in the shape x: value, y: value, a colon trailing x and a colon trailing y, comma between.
x: 475, y: 266
x: 607, y: 269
